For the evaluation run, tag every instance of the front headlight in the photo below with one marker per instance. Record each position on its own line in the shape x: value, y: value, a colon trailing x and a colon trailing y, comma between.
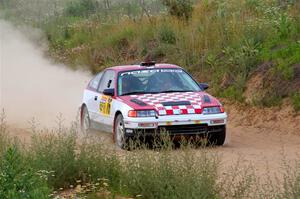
x: 212, y: 110
x: 141, y: 113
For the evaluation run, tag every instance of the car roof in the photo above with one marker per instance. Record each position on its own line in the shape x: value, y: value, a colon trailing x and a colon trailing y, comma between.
x: 139, y: 67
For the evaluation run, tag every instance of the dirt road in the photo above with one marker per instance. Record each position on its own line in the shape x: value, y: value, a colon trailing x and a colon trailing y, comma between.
x: 264, y: 138
x: 265, y: 150
x: 260, y: 137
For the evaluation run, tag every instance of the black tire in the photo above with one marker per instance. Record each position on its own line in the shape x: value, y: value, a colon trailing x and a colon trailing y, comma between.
x: 85, y: 122
x: 217, y: 139
x: 121, y: 140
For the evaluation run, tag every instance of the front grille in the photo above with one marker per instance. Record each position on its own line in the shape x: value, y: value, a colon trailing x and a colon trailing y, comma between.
x: 184, y: 129
x: 191, y: 129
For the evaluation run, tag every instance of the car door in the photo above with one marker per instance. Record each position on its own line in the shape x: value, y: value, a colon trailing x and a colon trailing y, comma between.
x: 105, y: 102
x: 91, y: 96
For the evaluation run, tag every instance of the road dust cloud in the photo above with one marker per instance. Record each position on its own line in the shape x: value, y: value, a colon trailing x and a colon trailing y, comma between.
x: 32, y: 86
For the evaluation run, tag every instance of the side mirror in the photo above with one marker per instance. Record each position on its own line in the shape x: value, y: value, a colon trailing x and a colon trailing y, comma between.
x: 109, y: 92
x: 203, y: 86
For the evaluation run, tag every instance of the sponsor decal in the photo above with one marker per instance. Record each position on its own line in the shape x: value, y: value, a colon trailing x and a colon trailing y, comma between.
x: 105, y: 105
x: 168, y: 123
x: 136, y: 72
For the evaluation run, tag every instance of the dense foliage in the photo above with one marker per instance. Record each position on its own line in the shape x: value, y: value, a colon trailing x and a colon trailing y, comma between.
x: 250, y: 48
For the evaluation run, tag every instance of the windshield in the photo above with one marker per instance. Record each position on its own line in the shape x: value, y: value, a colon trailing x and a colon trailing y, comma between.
x: 155, y: 81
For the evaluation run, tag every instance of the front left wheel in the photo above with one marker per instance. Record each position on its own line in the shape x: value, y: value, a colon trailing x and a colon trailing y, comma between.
x: 121, y: 139
x: 85, y: 122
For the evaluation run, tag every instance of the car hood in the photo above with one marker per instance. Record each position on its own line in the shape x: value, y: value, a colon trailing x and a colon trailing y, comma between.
x: 176, y: 103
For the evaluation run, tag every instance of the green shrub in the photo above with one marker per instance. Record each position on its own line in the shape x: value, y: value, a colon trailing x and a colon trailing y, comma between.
x: 166, y: 35
x: 80, y: 8
x: 253, y: 4
x: 179, y: 8
x: 18, y: 180
x: 55, y: 153
x: 296, y: 101
x: 271, y: 100
x: 233, y: 92
x: 285, y: 70
x: 284, y: 26
x: 159, y: 52
x: 119, y: 40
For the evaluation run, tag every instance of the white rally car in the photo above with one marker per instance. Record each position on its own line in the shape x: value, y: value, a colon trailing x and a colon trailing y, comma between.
x: 150, y: 98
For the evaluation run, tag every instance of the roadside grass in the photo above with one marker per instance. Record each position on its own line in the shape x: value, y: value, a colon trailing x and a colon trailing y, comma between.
x: 62, y: 160
x: 5, y: 140
x: 18, y: 180
x: 67, y: 162
x: 163, y: 174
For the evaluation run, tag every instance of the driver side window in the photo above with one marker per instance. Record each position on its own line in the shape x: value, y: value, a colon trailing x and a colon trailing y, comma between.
x: 107, y: 81
x: 94, y: 83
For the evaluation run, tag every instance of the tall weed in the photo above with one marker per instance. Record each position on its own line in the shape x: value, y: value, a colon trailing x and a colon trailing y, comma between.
x: 18, y: 180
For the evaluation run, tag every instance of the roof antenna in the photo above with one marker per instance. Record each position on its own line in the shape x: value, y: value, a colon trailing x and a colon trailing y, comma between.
x: 148, y: 61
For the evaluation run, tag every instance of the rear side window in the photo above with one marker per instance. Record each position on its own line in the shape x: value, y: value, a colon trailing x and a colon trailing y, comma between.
x: 94, y: 83
x: 107, y: 81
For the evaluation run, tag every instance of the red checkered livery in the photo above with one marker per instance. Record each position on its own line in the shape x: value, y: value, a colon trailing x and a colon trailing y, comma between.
x: 156, y: 101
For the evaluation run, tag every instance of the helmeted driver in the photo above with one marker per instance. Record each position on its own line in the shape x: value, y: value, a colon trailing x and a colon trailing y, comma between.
x: 130, y: 84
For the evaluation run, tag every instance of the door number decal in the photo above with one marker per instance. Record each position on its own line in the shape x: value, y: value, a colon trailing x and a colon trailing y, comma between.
x: 105, y: 105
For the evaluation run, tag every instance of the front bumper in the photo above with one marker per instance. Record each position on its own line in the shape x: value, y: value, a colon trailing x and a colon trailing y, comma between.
x: 193, y: 124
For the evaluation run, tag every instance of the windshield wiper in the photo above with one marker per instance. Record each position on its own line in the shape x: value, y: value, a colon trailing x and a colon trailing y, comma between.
x: 138, y: 92
x: 173, y: 91
x: 155, y: 92
x: 133, y: 93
